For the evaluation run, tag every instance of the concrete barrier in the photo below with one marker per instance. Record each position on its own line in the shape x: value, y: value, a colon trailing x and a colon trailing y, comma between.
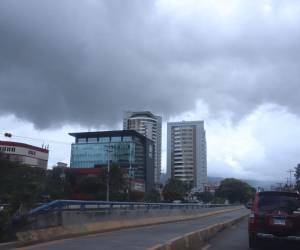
x: 8, y: 245
x: 72, y: 230
x: 195, y: 240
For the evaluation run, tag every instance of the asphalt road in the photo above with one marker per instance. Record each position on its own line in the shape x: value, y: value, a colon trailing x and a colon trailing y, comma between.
x: 236, y: 238
x: 137, y: 238
x: 233, y: 238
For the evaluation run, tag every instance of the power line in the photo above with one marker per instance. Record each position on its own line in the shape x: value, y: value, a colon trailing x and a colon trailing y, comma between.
x: 37, y: 139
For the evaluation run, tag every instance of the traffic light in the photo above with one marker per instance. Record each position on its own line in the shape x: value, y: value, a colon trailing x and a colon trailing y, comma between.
x: 8, y: 135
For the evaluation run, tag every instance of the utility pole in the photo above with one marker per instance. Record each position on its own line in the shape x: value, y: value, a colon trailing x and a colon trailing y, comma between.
x: 280, y: 185
x: 108, y: 150
x: 290, y: 171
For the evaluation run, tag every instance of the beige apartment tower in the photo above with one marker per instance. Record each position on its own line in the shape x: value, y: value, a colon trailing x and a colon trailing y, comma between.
x: 186, y: 153
x: 148, y: 125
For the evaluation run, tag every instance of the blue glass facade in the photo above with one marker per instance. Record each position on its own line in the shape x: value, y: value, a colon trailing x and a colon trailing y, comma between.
x: 89, y: 155
x: 128, y: 149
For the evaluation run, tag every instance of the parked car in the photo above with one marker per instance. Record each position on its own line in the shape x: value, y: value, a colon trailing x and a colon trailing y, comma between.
x: 275, y: 216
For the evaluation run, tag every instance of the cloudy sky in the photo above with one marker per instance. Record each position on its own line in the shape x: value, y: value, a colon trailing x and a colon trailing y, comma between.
x: 70, y: 66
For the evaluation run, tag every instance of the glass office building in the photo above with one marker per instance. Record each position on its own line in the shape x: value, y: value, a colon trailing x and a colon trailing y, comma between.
x: 125, y: 148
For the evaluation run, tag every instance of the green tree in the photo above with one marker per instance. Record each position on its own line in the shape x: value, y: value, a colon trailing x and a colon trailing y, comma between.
x: 57, y: 184
x: 174, y: 190
x: 90, y: 185
x: 235, y: 190
x: 205, y: 197
x: 218, y: 200
x: 20, y: 185
x: 152, y: 196
x: 118, y: 185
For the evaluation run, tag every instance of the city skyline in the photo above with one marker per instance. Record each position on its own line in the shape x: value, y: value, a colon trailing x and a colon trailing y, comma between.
x: 126, y: 117
x: 63, y: 142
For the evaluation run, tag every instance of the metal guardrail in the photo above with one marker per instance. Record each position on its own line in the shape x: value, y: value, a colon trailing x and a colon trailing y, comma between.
x: 63, y: 205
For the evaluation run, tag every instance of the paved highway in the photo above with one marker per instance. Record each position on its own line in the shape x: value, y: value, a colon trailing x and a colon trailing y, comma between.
x: 137, y: 238
x: 236, y: 238
x: 233, y: 238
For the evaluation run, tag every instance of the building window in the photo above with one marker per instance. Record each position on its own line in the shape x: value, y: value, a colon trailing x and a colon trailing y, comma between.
x: 150, y: 151
x: 92, y: 140
x: 81, y: 140
x: 115, y: 139
x: 127, y: 138
x: 136, y: 139
x: 104, y: 139
x: 30, y: 152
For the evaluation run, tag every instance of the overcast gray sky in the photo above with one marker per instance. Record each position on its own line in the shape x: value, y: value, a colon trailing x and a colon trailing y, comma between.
x: 69, y: 65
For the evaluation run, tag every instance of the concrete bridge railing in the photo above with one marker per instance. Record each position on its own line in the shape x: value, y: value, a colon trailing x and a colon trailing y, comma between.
x: 110, y: 205
x: 71, y: 218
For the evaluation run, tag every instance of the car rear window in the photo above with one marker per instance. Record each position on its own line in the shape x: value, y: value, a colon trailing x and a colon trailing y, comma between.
x: 289, y: 202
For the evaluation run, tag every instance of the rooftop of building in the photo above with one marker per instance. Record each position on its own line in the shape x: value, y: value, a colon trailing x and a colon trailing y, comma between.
x: 142, y: 114
x: 108, y: 134
x: 23, y: 145
x: 185, y: 122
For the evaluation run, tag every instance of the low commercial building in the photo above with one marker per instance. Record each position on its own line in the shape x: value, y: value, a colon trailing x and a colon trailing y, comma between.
x: 128, y: 149
x: 25, y: 154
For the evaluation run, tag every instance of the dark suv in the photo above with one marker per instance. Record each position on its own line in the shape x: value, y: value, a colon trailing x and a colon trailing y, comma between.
x: 275, y: 216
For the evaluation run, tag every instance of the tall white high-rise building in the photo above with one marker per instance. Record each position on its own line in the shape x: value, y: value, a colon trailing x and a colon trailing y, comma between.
x: 148, y: 125
x: 186, y: 153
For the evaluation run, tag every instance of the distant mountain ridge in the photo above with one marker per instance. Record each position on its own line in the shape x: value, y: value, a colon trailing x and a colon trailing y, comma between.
x: 216, y: 179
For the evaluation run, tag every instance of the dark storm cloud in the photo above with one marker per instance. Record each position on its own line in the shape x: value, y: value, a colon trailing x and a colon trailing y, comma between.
x: 87, y: 61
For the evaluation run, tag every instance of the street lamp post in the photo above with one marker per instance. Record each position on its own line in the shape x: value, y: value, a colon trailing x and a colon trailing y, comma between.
x: 130, y: 173
x: 63, y: 178
x: 108, y: 150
